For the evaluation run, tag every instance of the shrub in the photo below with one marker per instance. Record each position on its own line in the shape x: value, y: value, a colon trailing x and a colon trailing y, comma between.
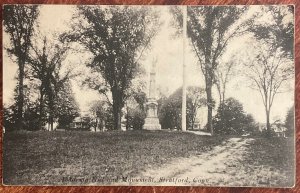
x: 232, y: 120
x: 290, y: 121
x: 135, y: 118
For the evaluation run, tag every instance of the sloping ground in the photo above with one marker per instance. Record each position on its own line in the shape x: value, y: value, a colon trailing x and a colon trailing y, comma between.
x: 37, y: 158
x: 145, y: 157
x: 236, y: 162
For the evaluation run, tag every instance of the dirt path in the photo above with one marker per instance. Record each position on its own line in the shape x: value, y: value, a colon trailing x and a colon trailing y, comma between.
x: 210, y: 168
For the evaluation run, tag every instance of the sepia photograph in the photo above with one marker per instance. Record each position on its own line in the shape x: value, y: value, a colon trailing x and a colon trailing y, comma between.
x: 140, y: 95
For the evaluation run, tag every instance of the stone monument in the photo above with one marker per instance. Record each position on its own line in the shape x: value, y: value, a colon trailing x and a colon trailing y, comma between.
x: 152, y: 121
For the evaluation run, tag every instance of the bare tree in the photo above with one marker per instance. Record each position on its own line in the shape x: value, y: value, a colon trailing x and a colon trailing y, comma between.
x: 117, y: 36
x: 210, y: 29
x: 268, y: 71
x: 223, y: 74
x: 272, y: 67
x: 18, y: 21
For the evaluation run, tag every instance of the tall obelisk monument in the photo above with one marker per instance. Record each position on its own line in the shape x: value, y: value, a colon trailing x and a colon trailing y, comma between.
x: 152, y: 121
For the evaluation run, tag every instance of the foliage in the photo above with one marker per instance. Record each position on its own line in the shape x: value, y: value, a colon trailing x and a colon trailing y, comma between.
x: 29, y: 111
x: 30, y: 119
x: 46, y: 67
x: 18, y: 22
x: 195, y: 100
x: 66, y: 106
x: 117, y: 36
x: 31, y: 116
x: 141, y: 99
x: 279, y: 28
x: 177, y: 21
x: 272, y: 66
x: 135, y: 118
x: 169, y: 112
x: 170, y: 108
x: 210, y: 29
x: 232, y: 120
x: 136, y: 108
x: 9, y: 121
x: 66, y: 109
x: 290, y: 121
x: 102, y: 111
x: 223, y: 75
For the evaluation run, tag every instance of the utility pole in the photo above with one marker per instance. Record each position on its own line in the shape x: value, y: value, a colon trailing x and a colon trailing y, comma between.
x: 183, y: 113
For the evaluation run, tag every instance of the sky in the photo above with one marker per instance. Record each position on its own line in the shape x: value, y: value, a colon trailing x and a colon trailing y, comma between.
x: 167, y: 49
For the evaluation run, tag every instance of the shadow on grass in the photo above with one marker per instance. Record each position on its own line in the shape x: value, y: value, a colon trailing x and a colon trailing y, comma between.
x: 37, y: 158
x: 273, y: 160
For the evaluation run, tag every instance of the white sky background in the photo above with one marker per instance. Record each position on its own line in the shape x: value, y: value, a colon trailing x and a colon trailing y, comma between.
x: 168, y: 51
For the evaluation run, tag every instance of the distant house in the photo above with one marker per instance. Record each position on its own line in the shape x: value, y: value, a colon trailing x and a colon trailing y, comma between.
x: 98, y: 125
x: 81, y: 123
x: 47, y: 126
x: 197, y: 125
x: 279, y: 128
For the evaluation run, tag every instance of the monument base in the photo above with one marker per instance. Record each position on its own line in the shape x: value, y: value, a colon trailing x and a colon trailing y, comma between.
x: 152, y: 123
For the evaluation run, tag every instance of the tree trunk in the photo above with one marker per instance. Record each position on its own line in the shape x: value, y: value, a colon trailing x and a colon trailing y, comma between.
x: 219, y: 92
x: 20, y: 103
x: 209, y: 108
x: 117, y: 109
x: 220, y: 98
x: 96, y: 124
x: 51, y: 111
x: 127, y: 118
x: 103, y: 125
x: 51, y: 122
x: 223, y: 96
x: 41, y: 109
x: 193, y: 116
x: 268, y: 121
x: 193, y: 123
x: 117, y: 117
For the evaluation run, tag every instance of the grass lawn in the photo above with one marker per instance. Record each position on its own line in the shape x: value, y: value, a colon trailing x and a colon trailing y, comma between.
x: 273, y: 160
x: 37, y: 158
x: 46, y: 157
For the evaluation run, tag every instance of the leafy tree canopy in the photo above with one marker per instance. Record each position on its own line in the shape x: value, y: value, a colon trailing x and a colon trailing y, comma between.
x: 232, y: 119
x: 117, y: 36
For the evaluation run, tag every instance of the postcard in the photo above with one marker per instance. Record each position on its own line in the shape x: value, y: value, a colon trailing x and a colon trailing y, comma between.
x: 113, y: 95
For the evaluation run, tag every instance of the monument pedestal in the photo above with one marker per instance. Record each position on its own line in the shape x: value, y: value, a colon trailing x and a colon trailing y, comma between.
x: 152, y: 121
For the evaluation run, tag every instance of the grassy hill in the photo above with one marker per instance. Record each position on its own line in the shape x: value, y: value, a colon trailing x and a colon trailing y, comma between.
x: 43, y: 157
x: 29, y: 157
